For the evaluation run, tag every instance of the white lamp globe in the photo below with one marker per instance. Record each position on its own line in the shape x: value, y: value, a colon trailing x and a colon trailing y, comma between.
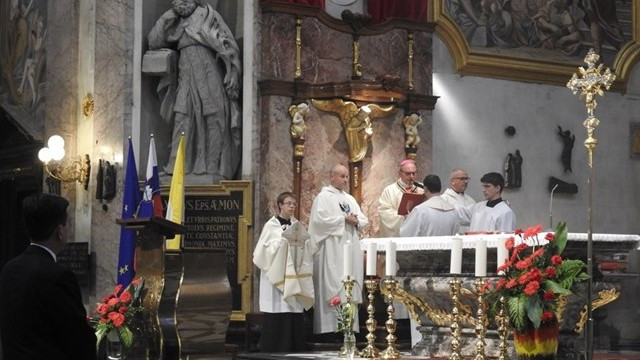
x: 44, y: 155
x: 57, y: 153
x: 55, y: 141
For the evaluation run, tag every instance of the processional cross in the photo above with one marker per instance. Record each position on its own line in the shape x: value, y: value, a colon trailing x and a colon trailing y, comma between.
x: 590, y: 83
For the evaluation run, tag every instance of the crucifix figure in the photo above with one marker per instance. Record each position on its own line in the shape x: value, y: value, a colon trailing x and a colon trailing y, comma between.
x: 590, y: 84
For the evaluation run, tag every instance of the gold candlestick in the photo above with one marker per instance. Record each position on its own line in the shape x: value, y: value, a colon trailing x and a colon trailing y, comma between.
x: 348, y: 287
x: 503, y: 329
x: 390, y: 352
x: 371, y: 351
x: 454, y: 291
x: 481, y: 317
x: 590, y: 84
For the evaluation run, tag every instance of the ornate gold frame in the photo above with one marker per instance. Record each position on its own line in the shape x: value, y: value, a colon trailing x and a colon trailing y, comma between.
x: 471, y: 61
x: 245, y: 243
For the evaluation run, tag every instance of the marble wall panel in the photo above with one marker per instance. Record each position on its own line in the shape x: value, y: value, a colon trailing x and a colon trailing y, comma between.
x: 277, y: 46
x: 385, y: 54
x: 112, y: 125
x: 423, y: 63
x: 326, y: 53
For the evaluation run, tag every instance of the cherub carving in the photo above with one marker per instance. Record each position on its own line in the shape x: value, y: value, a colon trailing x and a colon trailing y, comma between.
x: 298, y: 113
x: 411, y: 123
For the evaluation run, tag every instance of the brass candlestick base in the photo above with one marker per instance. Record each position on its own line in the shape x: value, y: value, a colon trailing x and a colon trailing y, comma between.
x: 371, y: 351
x: 481, y: 320
x: 503, y: 330
x: 348, y: 287
x: 390, y: 352
x: 456, y: 329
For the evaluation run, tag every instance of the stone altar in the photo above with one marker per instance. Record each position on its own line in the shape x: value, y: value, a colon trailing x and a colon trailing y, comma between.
x: 424, y: 269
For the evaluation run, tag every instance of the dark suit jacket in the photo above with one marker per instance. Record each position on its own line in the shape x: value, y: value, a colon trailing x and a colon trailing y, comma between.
x: 41, y: 311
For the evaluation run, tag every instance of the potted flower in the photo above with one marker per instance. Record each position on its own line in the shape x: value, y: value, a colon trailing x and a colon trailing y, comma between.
x: 116, y: 314
x: 533, y: 277
x: 346, y: 314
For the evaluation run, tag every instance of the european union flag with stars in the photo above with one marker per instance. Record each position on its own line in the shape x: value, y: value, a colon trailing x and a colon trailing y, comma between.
x: 130, y: 201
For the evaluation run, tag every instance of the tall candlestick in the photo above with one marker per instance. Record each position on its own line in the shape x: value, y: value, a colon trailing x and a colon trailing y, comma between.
x: 481, y: 257
x: 347, y: 268
x: 503, y: 253
x: 371, y: 258
x: 456, y: 255
x: 391, y: 259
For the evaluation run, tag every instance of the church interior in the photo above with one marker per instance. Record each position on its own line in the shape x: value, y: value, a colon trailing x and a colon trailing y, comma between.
x: 236, y: 102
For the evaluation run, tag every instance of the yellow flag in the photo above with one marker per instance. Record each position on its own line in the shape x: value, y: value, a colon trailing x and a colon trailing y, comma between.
x: 175, y: 206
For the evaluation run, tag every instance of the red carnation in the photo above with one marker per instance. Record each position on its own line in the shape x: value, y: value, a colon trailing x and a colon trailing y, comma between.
x: 523, y: 264
x: 549, y: 295
x: 125, y: 297
x: 485, y: 287
x: 117, y: 318
x: 519, y: 231
x: 122, y: 310
x: 113, y: 302
x: 500, y: 283
x: 550, y: 272
x: 117, y: 289
x: 511, y: 283
x: 550, y: 237
x: 531, y: 288
x: 547, y: 315
x: 504, y: 266
x: 335, y: 301
x: 556, y: 260
x: 509, y: 243
x: 102, y: 309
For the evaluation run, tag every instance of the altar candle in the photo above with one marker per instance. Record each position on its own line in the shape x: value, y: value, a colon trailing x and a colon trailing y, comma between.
x: 503, y: 253
x: 371, y: 258
x: 456, y: 255
x: 481, y: 257
x: 348, y: 260
x: 391, y: 259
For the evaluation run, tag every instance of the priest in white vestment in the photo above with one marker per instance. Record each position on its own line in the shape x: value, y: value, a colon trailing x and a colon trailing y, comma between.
x: 434, y: 217
x: 285, y: 260
x: 493, y: 214
x: 335, y: 220
x: 455, y: 194
x: 390, y: 198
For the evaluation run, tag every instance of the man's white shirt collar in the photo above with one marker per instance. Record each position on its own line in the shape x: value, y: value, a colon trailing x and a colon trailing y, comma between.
x: 55, y: 258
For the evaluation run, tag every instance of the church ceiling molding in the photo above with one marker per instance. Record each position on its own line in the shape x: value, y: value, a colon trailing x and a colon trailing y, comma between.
x: 475, y: 52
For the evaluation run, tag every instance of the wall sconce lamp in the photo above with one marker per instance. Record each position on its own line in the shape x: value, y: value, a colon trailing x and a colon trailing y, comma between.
x: 64, y: 170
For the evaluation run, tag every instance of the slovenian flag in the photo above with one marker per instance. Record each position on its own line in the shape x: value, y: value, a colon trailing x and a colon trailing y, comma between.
x: 130, y: 201
x: 151, y: 202
x: 175, y: 206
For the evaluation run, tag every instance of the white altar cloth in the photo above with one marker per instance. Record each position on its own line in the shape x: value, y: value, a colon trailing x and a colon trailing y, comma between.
x: 468, y: 241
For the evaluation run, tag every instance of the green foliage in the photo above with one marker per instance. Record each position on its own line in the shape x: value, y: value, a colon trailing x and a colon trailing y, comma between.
x: 570, y: 271
x: 534, y: 309
x: 517, y: 311
x: 556, y: 288
x: 561, y: 238
x: 126, y: 336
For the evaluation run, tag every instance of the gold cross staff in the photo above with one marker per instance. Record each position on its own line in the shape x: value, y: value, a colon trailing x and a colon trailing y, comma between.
x: 590, y: 83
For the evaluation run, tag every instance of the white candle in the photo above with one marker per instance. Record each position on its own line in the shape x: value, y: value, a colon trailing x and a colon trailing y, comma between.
x: 347, y: 268
x: 481, y: 257
x: 371, y: 258
x: 502, y: 253
x: 456, y: 256
x: 391, y: 259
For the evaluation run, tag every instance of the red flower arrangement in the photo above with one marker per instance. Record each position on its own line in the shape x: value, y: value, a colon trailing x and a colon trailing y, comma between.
x: 117, y: 311
x: 345, y: 312
x: 535, y: 274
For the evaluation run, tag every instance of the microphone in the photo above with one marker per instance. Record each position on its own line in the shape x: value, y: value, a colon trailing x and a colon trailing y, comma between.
x: 420, y: 185
x: 551, y: 207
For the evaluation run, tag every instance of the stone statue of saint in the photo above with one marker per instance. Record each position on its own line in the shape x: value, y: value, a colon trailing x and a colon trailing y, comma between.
x: 202, y: 101
x: 567, y: 148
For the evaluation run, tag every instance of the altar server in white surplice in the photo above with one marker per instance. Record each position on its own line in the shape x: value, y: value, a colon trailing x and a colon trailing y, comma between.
x: 284, y: 256
x: 493, y: 214
x: 390, y: 198
x: 434, y: 217
x: 335, y: 220
x: 455, y: 194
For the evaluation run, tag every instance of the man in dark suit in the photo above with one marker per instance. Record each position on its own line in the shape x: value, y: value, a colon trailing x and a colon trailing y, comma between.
x: 41, y: 311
